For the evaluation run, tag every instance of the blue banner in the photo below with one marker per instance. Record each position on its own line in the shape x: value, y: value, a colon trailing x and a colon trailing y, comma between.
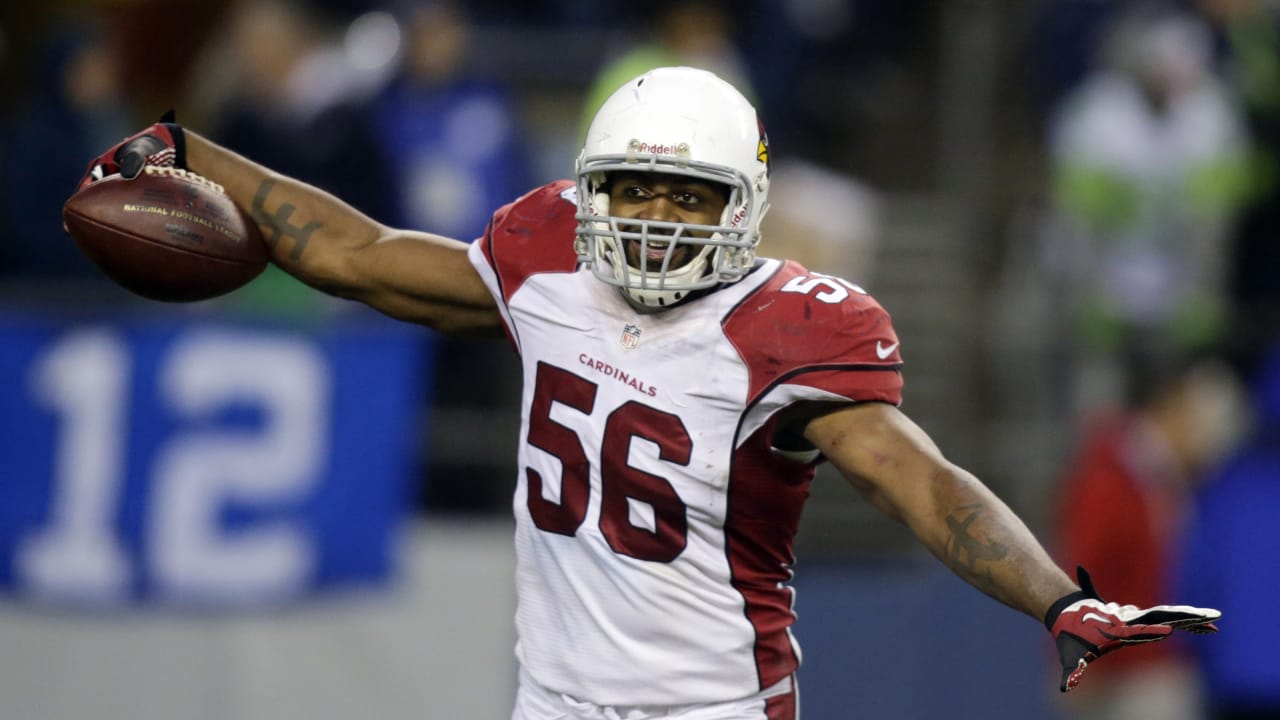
x: 209, y: 463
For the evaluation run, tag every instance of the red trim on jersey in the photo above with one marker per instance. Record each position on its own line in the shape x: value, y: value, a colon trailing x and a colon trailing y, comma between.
x: 781, y: 334
x: 766, y: 494
x: 532, y: 235
x: 821, y: 333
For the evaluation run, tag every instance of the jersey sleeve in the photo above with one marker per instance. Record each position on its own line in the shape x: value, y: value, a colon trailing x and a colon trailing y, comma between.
x: 809, y: 336
x: 532, y: 235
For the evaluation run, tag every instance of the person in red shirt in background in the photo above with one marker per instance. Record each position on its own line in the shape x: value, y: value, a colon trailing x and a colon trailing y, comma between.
x: 1120, y: 509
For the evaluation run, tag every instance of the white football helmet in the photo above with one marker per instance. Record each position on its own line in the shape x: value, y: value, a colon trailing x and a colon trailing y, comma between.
x: 681, y: 121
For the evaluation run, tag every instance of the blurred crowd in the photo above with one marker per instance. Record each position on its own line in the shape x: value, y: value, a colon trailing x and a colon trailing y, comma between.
x: 1155, y: 187
x: 1158, y: 240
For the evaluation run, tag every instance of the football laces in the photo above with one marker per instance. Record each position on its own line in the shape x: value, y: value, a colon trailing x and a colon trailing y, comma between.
x: 170, y: 171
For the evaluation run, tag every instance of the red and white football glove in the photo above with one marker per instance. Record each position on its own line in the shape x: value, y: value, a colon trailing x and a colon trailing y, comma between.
x: 1086, y: 628
x: 161, y: 144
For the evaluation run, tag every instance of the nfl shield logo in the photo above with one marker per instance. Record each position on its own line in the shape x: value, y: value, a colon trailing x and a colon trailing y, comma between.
x: 630, y: 336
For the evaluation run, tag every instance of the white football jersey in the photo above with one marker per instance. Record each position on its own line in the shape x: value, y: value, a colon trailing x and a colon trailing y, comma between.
x: 654, y: 517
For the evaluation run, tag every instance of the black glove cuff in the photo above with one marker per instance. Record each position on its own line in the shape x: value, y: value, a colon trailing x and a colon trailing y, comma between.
x: 179, y: 144
x: 1061, y: 604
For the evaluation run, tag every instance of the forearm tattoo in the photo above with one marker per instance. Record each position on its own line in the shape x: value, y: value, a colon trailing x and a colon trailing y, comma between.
x: 966, y: 547
x: 278, y: 224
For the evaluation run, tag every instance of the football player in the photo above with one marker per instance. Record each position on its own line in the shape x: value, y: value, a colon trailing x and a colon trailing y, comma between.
x: 679, y: 390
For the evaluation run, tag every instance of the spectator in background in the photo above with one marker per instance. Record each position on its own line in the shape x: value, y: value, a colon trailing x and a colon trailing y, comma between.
x: 1231, y: 556
x: 75, y: 106
x: 1148, y: 161
x: 1129, y: 487
x: 693, y: 33
x: 295, y: 100
x: 295, y: 104
x: 1250, y: 33
x: 456, y: 149
x: 454, y: 142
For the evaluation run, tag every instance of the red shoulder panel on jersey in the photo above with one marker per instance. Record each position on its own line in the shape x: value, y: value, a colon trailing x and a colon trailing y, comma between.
x: 532, y: 235
x: 813, y: 329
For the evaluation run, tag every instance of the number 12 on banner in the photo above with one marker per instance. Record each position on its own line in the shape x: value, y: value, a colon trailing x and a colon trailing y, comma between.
x: 199, y: 467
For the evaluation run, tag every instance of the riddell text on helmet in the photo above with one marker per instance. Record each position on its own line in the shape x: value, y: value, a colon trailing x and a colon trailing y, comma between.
x: 653, y: 149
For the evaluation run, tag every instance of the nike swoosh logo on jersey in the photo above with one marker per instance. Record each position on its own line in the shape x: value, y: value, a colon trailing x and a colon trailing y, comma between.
x: 883, y: 352
x: 1095, y: 616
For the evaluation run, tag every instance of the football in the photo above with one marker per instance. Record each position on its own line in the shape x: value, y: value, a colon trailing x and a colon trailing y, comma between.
x: 168, y: 234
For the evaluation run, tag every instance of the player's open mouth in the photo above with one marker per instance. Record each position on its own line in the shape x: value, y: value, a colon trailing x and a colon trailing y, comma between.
x: 655, y: 252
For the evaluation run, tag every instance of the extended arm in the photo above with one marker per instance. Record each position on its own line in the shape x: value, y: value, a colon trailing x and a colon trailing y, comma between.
x: 891, y: 461
x: 329, y: 245
x: 897, y: 467
x: 322, y: 240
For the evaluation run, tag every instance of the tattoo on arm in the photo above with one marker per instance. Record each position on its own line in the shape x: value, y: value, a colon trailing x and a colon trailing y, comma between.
x: 966, y: 548
x: 278, y: 223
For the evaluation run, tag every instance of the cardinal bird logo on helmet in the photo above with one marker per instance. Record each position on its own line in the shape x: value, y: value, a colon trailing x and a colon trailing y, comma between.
x: 762, y: 149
